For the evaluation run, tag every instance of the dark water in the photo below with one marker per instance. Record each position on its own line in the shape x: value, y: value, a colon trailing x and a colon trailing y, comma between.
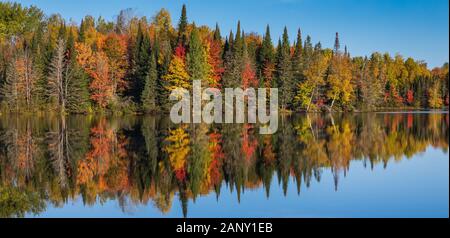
x: 357, y: 165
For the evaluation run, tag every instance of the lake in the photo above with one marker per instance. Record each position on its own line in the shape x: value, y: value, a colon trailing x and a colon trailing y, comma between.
x: 316, y: 165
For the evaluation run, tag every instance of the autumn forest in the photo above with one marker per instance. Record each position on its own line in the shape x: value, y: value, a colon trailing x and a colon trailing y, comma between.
x: 129, y: 65
x: 84, y: 129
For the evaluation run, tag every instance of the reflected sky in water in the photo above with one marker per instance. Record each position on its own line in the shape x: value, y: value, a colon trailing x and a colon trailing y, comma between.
x: 412, y: 188
x: 360, y: 165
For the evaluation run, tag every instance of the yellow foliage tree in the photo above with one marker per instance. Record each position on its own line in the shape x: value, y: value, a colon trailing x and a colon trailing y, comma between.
x: 177, y: 76
x: 340, y: 81
x: 178, y: 148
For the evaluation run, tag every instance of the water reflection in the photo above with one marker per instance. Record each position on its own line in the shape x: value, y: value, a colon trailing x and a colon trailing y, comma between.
x: 140, y: 160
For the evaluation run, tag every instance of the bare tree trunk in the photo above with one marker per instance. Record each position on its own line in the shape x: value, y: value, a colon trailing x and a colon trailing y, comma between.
x: 332, y: 102
x: 311, y: 98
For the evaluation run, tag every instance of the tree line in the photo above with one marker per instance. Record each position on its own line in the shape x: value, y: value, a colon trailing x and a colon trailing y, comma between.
x: 130, y: 65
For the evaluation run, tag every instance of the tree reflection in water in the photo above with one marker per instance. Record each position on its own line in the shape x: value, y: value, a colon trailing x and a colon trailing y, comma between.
x: 137, y: 160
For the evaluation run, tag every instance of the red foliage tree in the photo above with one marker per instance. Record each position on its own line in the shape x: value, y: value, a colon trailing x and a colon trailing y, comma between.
x: 410, y: 97
x: 249, y: 76
x: 215, y: 148
x: 215, y: 61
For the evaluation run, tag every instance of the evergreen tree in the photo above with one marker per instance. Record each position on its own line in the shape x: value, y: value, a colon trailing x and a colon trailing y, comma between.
x: 141, y: 63
x: 233, y: 60
x: 284, y: 72
x: 238, y: 42
x: 266, y: 59
x: 149, y: 95
x: 78, y: 87
x: 307, y: 51
x: 39, y: 57
x: 266, y: 54
x: 217, y: 36
x: 297, y: 61
x: 337, y: 45
x: 196, y: 59
x: 182, y: 27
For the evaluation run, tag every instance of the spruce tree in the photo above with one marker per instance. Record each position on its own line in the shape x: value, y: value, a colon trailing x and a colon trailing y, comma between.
x: 297, y: 62
x: 266, y: 59
x: 161, y: 85
x: 337, y: 45
x: 148, y: 97
x: 78, y: 98
x: 182, y: 27
x: 217, y: 36
x: 266, y: 54
x: 196, y: 58
x: 234, y: 59
x: 284, y: 72
x: 141, y: 63
x: 238, y: 42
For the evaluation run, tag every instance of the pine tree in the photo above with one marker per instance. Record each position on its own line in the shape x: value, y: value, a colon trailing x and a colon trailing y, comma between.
x: 196, y: 59
x: 266, y: 59
x: 337, y: 45
x: 238, y: 42
x: 266, y: 54
x: 149, y: 95
x: 39, y: 59
x: 233, y: 60
x: 297, y: 59
x: 284, y: 72
x: 217, y: 36
x: 182, y: 27
x: 307, y: 51
x: 141, y: 58
x: 78, y: 100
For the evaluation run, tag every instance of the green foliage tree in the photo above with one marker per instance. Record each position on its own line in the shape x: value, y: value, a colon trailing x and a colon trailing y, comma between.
x: 284, y: 72
x: 196, y: 58
x: 149, y: 94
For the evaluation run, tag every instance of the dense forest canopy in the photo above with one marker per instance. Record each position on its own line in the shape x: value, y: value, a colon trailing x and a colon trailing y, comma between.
x: 131, y: 64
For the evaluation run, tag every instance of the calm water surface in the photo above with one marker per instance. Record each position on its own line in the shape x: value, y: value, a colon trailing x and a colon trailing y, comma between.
x: 357, y: 165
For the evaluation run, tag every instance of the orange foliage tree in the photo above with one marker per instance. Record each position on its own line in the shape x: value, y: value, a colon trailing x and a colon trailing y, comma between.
x: 96, y: 65
x: 115, y: 47
x: 214, y: 49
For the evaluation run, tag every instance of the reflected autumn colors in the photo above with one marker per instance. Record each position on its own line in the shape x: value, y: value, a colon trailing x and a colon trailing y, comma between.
x: 50, y: 161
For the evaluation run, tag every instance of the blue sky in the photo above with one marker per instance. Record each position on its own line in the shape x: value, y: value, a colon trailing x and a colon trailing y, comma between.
x: 414, y: 28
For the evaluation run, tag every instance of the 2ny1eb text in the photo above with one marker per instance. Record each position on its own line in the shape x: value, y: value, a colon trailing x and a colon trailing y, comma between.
x: 236, y: 227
